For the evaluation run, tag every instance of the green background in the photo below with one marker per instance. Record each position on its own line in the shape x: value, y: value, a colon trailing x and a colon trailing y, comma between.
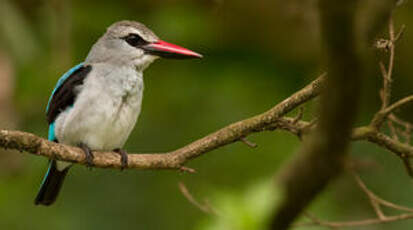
x: 256, y: 53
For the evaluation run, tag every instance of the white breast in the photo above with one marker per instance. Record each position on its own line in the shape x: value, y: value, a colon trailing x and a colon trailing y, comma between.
x: 105, y: 110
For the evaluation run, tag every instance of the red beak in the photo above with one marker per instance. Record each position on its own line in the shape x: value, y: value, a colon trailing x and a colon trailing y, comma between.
x: 168, y: 50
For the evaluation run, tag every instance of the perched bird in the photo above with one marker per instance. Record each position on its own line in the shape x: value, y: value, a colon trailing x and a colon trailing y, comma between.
x: 95, y: 104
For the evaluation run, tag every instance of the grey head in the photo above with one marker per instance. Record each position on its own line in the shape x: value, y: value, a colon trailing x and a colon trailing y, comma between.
x: 131, y: 43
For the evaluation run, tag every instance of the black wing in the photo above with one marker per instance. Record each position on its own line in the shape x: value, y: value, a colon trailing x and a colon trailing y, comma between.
x: 64, y: 96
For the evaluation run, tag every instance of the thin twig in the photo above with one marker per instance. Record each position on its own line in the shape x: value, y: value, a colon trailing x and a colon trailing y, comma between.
x: 187, y: 169
x: 299, y: 115
x: 400, y: 33
x: 377, y: 199
x: 387, y: 74
x: 206, y: 208
x: 357, y: 223
x: 393, y: 130
x: 385, y: 92
x: 406, y: 125
x: 398, y: 104
x: 381, y: 116
x: 407, y: 166
x: 375, y: 202
x: 399, y: 121
x: 372, y: 198
x: 248, y: 143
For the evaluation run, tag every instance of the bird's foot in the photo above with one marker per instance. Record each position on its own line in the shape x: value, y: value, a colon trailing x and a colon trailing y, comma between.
x: 123, y: 157
x: 88, y: 155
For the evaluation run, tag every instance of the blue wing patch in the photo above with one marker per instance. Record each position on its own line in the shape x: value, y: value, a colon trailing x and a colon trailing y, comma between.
x: 52, y: 135
x: 61, y: 80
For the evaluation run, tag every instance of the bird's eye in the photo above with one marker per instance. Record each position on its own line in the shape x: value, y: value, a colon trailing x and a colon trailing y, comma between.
x: 134, y: 40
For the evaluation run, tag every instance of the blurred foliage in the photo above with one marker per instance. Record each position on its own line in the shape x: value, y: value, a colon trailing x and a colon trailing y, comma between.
x: 256, y: 54
x: 249, y: 209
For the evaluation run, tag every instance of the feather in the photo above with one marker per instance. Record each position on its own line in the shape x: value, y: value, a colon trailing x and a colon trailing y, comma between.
x: 51, y: 185
x: 64, y: 93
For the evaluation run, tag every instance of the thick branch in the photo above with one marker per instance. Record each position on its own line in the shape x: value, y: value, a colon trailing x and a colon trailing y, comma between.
x: 28, y: 142
x: 172, y: 160
x: 320, y: 158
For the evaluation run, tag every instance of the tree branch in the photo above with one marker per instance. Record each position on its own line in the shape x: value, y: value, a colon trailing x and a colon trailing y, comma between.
x: 386, y: 111
x: 375, y: 201
x: 387, y: 74
x: 31, y: 143
x: 320, y: 157
x: 204, y: 207
x: 363, y: 133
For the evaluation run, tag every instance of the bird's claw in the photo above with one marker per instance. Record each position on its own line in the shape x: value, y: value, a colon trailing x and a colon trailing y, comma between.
x: 88, y: 155
x: 123, y: 158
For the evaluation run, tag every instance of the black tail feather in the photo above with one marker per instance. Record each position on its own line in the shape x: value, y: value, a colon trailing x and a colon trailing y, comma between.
x: 51, y: 185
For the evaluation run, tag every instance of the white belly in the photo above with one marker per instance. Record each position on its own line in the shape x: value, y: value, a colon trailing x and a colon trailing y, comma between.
x: 103, y: 115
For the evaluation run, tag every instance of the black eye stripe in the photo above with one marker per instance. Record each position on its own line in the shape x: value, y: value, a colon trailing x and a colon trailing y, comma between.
x: 135, y: 40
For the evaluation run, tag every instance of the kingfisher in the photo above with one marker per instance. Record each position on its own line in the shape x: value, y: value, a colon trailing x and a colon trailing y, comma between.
x: 95, y: 105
